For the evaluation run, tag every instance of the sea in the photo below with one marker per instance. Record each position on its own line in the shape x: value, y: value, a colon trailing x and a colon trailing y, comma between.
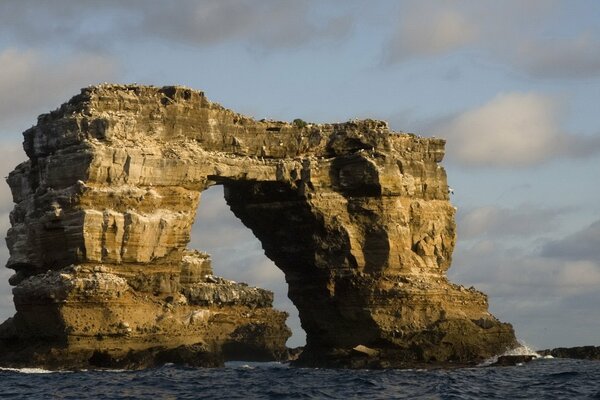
x: 538, y: 379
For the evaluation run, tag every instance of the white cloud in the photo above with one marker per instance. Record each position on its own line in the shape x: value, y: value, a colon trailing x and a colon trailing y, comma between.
x: 429, y: 30
x: 531, y: 36
x: 512, y: 130
x: 215, y: 226
x: 268, y: 24
x: 30, y: 85
x: 526, y: 35
x: 543, y: 287
x: 495, y: 221
x: 537, y: 294
x: 579, y: 276
x: 529, y: 276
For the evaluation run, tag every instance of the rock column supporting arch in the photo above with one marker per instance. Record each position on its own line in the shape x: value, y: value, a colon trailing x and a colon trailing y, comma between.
x: 357, y: 217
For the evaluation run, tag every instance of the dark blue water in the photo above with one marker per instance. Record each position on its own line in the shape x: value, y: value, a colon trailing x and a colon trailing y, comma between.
x: 540, y: 379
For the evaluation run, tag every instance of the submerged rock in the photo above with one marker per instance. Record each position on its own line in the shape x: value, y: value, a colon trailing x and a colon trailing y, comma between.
x: 510, y: 360
x: 357, y: 217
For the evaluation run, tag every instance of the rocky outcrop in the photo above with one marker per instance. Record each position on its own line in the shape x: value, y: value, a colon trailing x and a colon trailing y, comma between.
x: 356, y: 216
x: 579, y: 352
x: 513, y: 359
x: 84, y: 316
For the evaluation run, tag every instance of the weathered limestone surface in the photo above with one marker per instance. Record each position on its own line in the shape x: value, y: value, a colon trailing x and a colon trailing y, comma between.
x: 357, y: 217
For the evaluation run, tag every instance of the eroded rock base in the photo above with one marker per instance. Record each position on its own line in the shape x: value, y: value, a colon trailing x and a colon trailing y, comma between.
x: 415, y: 322
x: 84, y: 316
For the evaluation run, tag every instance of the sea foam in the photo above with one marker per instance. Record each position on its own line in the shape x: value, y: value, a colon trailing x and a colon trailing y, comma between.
x: 522, y: 350
x: 30, y: 370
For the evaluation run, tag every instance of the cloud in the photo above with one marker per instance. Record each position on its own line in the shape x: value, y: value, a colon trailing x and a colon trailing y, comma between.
x: 506, y: 272
x: 80, y: 25
x: 543, y: 287
x: 216, y: 227
x: 538, y: 294
x: 575, y: 57
x: 580, y: 246
x: 271, y: 24
x: 512, y: 130
x: 496, y: 222
x: 268, y: 24
x: 427, y: 30
x: 30, y: 84
x: 510, y: 32
x: 531, y: 36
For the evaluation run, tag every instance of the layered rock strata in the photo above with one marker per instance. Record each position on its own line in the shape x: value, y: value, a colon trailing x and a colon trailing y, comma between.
x: 356, y: 216
x: 88, y: 315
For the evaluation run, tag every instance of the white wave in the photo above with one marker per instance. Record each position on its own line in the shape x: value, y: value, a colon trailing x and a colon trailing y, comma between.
x: 522, y: 350
x: 108, y: 370
x: 255, y: 364
x: 30, y: 370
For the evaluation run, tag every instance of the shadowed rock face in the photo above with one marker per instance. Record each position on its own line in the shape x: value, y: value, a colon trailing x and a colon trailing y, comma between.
x: 356, y: 216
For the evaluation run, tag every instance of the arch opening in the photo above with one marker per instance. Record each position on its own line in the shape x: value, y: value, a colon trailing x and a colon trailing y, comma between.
x: 238, y: 255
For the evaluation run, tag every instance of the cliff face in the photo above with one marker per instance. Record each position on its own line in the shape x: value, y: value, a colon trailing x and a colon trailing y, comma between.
x: 356, y: 216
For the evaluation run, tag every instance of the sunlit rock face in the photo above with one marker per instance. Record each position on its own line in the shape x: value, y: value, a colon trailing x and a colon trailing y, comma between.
x: 356, y: 216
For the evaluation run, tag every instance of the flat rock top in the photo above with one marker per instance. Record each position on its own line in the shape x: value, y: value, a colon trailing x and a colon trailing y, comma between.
x: 172, y: 113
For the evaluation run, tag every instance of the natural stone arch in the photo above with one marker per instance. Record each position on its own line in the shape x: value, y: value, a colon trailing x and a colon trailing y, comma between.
x: 356, y: 216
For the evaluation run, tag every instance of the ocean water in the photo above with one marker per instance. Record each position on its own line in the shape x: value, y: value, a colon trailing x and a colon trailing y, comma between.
x: 539, y: 379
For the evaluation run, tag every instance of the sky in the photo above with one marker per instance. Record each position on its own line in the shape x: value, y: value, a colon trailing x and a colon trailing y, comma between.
x: 514, y: 87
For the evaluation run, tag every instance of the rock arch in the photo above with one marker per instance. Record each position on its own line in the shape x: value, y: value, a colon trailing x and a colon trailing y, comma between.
x: 356, y: 216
